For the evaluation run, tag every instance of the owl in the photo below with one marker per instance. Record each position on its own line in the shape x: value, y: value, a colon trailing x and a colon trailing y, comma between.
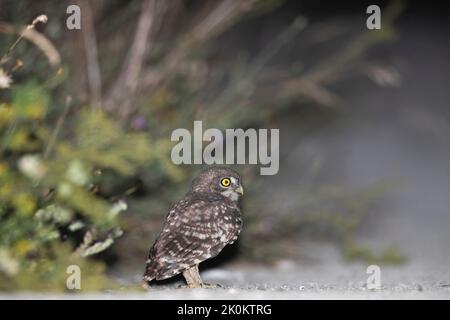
x: 197, y: 227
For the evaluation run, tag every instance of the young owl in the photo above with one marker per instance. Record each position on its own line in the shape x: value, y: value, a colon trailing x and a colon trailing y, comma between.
x: 197, y: 227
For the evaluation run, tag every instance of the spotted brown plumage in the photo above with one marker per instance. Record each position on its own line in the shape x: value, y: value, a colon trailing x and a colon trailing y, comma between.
x: 197, y: 227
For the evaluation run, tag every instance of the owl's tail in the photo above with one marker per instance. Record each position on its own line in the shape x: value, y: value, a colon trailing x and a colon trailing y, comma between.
x: 150, y: 268
x: 150, y: 272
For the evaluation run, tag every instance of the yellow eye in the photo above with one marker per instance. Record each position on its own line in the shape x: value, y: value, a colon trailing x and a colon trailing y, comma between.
x: 225, y: 182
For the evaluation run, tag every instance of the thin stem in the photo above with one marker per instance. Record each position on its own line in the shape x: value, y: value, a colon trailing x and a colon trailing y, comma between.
x: 11, y: 128
x: 57, y: 129
x: 42, y: 18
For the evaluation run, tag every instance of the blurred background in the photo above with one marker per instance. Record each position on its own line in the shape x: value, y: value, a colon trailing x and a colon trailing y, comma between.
x: 86, y: 117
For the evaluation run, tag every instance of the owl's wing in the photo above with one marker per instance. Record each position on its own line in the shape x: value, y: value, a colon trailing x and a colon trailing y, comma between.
x: 195, y: 230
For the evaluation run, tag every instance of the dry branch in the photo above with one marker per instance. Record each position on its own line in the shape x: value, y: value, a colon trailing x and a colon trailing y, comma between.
x: 127, y: 81
x: 91, y: 54
x: 215, y: 21
x: 37, y: 38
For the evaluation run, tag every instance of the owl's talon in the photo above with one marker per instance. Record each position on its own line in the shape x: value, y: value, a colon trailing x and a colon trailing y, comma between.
x: 206, y: 285
x: 183, y: 286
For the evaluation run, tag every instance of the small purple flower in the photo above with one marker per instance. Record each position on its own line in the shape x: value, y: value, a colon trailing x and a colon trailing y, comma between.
x: 138, y: 123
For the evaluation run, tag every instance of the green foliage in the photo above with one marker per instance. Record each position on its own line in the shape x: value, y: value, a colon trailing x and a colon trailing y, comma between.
x: 100, y: 141
x: 46, y: 191
x: 390, y: 255
x: 30, y: 102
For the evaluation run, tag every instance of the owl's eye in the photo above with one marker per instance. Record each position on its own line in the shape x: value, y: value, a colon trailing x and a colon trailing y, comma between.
x: 225, y: 182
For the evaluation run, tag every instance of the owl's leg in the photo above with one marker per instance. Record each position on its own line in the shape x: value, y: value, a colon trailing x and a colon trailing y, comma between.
x: 192, y: 277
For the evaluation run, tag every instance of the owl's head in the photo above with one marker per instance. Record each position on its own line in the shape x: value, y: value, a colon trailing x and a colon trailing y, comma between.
x: 219, y: 180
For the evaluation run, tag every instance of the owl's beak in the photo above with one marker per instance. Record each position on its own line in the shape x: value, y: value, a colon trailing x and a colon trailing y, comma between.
x: 240, y: 190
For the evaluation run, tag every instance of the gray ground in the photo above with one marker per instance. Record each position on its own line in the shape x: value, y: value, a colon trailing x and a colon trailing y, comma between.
x: 292, y: 280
